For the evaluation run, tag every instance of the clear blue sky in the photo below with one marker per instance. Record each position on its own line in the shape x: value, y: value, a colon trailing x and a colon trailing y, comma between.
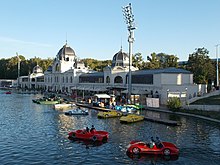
x: 96, y: 28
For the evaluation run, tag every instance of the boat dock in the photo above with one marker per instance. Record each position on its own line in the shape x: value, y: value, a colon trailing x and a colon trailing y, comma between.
x: 93, y: 107
x: 162, y: 121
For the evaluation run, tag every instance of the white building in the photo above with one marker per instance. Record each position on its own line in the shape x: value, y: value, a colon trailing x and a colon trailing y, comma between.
x: 157, y: 83
x: 65, y: 71
x: 35, y: 80
x: 67, y: 74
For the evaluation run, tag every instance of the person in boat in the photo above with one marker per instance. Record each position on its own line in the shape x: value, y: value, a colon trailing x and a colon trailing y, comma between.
x: 158, y: 142
x: 87, y: 129
x: 92, y: 128
x: 152, y: 142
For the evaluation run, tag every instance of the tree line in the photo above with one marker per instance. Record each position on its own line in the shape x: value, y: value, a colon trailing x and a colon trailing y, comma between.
x: 9, y: 66
x: 199, y: 63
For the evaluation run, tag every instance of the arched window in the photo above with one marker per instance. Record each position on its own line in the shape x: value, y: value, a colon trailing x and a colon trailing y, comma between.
x: 107, y: 79
x: 71, y: 79
x: 57, y: 67
x: 118, y: 79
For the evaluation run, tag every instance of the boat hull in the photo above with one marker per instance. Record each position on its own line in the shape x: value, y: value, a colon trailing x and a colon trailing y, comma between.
x: 131, y: 118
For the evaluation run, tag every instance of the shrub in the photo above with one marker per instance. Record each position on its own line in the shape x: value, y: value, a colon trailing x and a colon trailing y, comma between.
x: 174, y: 103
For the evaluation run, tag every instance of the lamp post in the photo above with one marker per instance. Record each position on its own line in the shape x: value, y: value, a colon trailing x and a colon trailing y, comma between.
x: 217, y: 77
x: 19, y: 60
x: 129, y: 18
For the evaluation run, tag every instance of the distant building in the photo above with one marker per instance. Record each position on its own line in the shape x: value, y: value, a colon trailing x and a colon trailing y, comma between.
x: 34, y: 80
x: 6, y: 83
x: 65, y: 71
x: 156, y: 83
x: 68, y: 75
x: 60, y: 76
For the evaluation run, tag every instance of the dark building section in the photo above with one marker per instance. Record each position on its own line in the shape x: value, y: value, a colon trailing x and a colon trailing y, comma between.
x: 142, y: 79
x: 97, y: 77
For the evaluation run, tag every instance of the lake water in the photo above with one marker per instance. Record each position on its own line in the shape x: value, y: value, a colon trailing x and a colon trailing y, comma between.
x: 37, y: 134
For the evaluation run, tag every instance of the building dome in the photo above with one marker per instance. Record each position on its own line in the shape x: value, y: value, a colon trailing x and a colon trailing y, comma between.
x: 37, y: 69
x: 120, y: 59
x: 65, y: 51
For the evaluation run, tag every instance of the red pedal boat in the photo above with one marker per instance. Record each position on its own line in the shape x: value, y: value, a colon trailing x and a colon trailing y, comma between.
x: 163, y: 148
x: 89, y: 135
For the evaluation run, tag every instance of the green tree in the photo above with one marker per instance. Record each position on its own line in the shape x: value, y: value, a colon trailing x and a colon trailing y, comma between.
x: 138, y: 61
x: 171, y: 61
x: 9, y: 67
x: 201, y: 66
x: 3, y: 73
x: 45, y: 63
x: 96, y: 65
x: 167, y: 60
x: 12, y: 67
x: 153, y: 62
x: 174, y: 103
x: 161, y: 60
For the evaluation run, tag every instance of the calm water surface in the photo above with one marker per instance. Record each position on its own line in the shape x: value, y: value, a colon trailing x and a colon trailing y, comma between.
x: 37, y: 134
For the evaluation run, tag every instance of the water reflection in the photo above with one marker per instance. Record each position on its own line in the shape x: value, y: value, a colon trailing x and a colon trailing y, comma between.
x: 152, y: 158
x: 38, y: 134
x: 87, y: 143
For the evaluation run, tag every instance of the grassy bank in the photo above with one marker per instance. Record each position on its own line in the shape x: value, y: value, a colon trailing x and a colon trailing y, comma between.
x: 212, y: 100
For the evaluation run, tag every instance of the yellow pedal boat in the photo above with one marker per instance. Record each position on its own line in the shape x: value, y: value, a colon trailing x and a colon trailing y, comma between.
x: 131, y: 118
x: 109, y: 114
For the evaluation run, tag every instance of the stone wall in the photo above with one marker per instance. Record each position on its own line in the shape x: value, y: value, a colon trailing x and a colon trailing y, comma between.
x: 203, y: 107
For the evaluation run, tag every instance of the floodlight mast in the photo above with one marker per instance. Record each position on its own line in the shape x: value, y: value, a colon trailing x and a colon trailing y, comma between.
x: 217, y: 76
x: 129, y: 19
x: 19, y: 60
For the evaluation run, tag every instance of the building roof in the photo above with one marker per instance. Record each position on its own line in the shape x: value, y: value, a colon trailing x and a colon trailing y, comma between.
x: 159, y: 71
x: 37, y: 69
x: 120, y: 59
x: 92, y: 74
x: 65, y: 50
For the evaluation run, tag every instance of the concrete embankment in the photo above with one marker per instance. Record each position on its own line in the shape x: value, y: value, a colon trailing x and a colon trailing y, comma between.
x: 184, y: 114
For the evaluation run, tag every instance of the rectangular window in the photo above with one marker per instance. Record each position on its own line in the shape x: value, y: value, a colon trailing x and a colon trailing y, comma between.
x: 142, y: 79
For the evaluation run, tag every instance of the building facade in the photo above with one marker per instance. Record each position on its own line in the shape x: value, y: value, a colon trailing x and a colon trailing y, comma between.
x: 68, y: 75
x: 35, y: 80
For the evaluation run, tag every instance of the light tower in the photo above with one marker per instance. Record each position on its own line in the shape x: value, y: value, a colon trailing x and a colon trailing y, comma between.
x: 217, y: 77
x: 18, y: 85
x: 129, y: 18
